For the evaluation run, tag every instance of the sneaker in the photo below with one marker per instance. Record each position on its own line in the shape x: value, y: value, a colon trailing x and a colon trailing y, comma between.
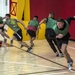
x: 70, y: 64
x: 21, y: 46
x: 61, y: 55
x: 57, y: 54
x: 32, y: 44
x: 29, y: 49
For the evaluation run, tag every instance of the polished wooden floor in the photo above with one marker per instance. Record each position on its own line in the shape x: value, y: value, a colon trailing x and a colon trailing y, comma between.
x: 40, y: 61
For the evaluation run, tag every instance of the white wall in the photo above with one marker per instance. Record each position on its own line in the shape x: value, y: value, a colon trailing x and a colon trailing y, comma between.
x: 4, y: 7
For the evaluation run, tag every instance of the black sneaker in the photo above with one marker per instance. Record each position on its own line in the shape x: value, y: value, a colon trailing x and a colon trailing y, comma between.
x: 70, y: 64
x: 29, y: 49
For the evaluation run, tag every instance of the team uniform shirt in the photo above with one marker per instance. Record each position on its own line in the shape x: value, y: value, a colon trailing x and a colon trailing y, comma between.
x: 32, y: 25
x: 12, y: 23
x: 62, y: 31
x: 50, y: 23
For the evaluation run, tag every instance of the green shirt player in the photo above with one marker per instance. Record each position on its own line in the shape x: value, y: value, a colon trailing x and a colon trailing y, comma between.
x: 63, y: 36
x: 50, y: 34
x: 32, y: 29
x: 12, y: 23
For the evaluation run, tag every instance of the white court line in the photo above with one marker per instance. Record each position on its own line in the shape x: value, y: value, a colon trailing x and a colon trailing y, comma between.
x: 24, y: 63
x: 71, y: 47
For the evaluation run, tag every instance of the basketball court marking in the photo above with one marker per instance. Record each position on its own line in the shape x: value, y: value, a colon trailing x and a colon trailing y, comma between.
x: 43, y: 58
x: 24, y: 63
x: 41, y: 66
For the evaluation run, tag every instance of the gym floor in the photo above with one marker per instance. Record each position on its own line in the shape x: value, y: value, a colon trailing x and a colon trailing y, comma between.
x: 40, y: 61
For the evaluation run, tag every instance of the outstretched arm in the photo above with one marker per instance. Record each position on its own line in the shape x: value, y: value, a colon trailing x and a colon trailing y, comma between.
x: 70, y: 19
x: 43, y: 21
x: 22, y: 23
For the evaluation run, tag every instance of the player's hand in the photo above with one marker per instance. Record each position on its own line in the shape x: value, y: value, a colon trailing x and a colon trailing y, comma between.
x: 74, y: 16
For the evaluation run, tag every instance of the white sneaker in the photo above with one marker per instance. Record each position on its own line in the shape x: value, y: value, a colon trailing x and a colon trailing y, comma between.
x: 61, y: 55
x: 70, y: 64
x: 57, y: 54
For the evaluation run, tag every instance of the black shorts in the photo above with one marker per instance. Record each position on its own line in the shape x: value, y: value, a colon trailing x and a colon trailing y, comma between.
x: 2, y: 28
x: 31, y: 33
x: 64, y: 40
x: 18, y: 35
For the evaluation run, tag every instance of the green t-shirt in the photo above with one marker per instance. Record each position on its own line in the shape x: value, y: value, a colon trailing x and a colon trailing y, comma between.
x: 64, y: 32
x: 12, y: 23
x: 1, y: 20
x: 34, y: 23
x: 50, y: 23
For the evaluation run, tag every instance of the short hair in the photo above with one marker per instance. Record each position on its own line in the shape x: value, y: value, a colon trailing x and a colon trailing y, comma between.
x: 60, y: 20
x: 52, y: 13
x: 36, y: 17
x: 7, y: 15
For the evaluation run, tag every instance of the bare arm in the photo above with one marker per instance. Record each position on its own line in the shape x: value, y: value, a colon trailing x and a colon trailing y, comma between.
x: 43, y: 21
x: 22, y: 23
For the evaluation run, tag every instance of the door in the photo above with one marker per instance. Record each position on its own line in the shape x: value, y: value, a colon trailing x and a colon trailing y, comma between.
x: 4, y: 7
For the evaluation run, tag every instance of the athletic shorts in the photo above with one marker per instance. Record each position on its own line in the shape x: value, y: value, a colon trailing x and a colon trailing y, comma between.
x: 64, y: 40
x: 1, y: 29
x: 31, y: 33
x: 18, y: 35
